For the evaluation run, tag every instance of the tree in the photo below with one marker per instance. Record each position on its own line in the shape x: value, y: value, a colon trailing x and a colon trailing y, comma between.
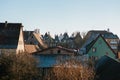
x: 78, y: 40
x: 17, y: 67
x: 70, y: 69
x: 83, y: 34
x: 84, y: 37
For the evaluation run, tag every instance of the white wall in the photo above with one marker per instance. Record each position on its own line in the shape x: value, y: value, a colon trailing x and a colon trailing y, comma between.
x: 20, y: 47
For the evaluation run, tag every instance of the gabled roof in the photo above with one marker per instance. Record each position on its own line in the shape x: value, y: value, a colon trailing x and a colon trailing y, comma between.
x: 52, y: 48
x: 9, y: 35
x: 31, y: 48
x: 89, y: 46
x: 47, y: 36
x: 39, y: 39
x: 57, y: 38
x: 65, y: 36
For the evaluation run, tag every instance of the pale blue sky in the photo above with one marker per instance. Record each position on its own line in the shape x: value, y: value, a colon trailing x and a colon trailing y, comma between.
x: 59, y: 16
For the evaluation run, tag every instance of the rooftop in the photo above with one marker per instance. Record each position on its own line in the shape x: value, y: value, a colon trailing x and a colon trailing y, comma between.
x: 9, y: 34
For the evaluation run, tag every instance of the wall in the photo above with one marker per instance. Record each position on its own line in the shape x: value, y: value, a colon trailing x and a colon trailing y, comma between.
x: 101, y: 49
x: 20, y: 47
x: 56, y: 51
x: 113, y: 44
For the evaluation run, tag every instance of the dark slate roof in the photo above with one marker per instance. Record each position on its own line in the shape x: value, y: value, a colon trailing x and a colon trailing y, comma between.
x: 57, y: 38
x: 65, y: 36
x: 47, y: 37
x: 27, y: 34
x: 104, y: 33
x: 9, y: 35
x: 107, y: 69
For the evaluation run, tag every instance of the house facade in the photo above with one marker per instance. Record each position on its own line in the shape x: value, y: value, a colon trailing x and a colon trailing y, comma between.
x: 50, y: 57
x: 11, y: 38
x: 111, y: 39
x: 99, y: 47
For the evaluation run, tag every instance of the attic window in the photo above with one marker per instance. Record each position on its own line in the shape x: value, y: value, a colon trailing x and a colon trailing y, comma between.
x: 93, y: 49
x: 59, y: 51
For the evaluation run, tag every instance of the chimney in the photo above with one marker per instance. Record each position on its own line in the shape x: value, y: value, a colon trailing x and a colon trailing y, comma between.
x: 5, y: 23
x: 37, y: 31
x: 108, y: 30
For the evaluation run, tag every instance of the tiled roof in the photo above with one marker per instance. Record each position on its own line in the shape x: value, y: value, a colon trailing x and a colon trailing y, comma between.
x: 41, y: 43
x: 105, y: 34
x: 9, y: 35
x: 31, y: 48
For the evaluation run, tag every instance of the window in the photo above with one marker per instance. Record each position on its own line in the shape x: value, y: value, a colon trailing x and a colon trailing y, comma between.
x: 93, y: 49
x: 113, y: 41
x: 107, y: 53
x: 113, y: 46
x: 59, y: 51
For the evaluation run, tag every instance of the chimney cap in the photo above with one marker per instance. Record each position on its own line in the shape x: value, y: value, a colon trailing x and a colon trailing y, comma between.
x: 5, y: 21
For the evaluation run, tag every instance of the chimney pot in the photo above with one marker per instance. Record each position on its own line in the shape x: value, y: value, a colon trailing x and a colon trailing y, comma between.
x: 5, y: 23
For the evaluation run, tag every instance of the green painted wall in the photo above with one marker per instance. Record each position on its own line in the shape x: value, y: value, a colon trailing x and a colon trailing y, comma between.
x: 101, y: 49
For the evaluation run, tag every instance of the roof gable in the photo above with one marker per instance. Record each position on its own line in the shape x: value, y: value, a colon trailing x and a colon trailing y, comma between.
x: 55, y: 50
x: 101, y: 46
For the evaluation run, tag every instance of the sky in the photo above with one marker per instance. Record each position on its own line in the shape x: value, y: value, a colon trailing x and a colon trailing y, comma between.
x: 59, y: 16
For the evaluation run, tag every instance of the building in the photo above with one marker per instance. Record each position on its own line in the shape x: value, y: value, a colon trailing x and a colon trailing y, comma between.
x: 111, y: 39
x: 11, y: 38
x: 33, y: 41
x: 98, y: 48
x: 50, y: 56
x: 119, y: 50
